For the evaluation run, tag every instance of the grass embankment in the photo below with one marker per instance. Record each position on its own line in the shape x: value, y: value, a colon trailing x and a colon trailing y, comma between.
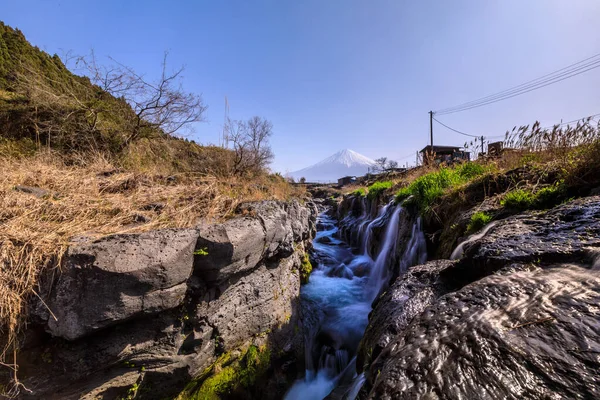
x: 427, y: 189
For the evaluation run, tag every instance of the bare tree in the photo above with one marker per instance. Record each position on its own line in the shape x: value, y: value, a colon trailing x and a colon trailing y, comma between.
x: 250, y: 141
x: 161, y: 104
x: 383, y: 165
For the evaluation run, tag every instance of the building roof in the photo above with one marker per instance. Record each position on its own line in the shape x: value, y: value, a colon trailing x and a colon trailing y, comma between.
x: 437, y: 149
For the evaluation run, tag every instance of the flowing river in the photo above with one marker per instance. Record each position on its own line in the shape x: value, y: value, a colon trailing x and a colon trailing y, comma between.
x: 337, y: 300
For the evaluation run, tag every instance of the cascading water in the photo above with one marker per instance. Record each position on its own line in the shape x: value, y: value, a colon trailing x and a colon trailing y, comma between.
x: 339, y: 294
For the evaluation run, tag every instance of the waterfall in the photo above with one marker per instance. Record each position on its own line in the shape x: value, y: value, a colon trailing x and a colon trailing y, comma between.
x: 369, y: 233
x: 380, y: 272
x: 357, y: 384
x: 337, y: 299
x: 416, y: 249
x: 459, y: 250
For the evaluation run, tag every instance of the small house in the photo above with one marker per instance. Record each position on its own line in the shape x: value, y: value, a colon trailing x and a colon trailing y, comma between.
x: 444, y: 154
x: 346, y: 180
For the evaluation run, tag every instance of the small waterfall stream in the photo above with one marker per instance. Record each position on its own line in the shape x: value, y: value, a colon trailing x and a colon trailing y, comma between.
x: 341, y: 289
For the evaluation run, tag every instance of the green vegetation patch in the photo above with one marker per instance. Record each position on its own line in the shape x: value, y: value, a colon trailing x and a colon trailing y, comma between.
x: 427, y: 189
x: 359, y: 192
x: 551, y: 195
x: 227, y: 376
x: 478, y: 221
x: 518, y: 199
x: 525, y: 199
x: 377, y: 188
x: 305, y: 269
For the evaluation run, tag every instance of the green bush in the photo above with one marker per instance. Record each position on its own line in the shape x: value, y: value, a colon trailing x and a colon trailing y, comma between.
x: 478, y: 221
x: 518, y: 199
x: 359, y: 192
x: 377, y: 188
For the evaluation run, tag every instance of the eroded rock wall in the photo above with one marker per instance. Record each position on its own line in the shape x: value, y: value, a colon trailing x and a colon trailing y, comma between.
x: 147, y: 313
x: 515, y: 317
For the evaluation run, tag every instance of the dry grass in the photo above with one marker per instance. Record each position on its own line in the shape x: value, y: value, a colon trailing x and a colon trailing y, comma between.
x: 94, y: 199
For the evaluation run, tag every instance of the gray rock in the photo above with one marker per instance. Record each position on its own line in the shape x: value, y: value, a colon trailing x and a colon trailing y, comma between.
x: 238, y: 245
x: 233, y: 247
x: 395, y: 309
x: 107, y: 281
x: 526, y: 334
x: 254, y: 304
x: 565, y: 233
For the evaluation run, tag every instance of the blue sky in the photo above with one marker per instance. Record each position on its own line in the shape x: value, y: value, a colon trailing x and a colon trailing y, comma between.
x: 334, y: 74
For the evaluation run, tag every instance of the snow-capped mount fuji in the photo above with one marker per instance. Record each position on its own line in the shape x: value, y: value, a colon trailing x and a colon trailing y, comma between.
x: 343, y: 163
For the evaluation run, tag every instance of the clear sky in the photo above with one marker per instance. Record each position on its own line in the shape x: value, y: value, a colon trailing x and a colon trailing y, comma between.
x: 334, y: 74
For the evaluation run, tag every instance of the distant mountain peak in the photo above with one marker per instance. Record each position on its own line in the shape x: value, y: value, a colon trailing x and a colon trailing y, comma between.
x: 343, y: 163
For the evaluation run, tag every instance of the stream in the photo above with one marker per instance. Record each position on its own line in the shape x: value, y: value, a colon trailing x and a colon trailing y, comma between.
x: 337, y: 300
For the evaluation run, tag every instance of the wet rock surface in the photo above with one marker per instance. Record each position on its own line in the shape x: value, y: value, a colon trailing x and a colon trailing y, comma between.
x: 516, y: 317
x: 142, y: 310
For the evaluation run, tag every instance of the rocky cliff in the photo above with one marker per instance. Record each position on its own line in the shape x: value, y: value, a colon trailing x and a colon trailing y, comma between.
x: 145, y: 314
x: 515, y: 316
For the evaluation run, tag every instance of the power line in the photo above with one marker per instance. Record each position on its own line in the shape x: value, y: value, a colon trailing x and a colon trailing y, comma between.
x: 543, y: 81
x: 528, y: 83
x: 570, y: 122
x: 518, y: 93
x: 457, y: 131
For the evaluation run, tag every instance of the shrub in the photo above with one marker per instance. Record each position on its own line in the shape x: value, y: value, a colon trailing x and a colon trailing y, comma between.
x: 478, y: 221
x: 518, y: 199
x: 377, y: 188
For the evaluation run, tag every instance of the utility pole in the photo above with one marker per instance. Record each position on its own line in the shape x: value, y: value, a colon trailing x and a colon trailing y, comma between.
x: 431, y: 134
x: 482, y: 146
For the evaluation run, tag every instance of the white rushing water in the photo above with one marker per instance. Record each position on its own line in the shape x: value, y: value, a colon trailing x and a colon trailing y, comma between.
x: 459, y: 250
x: 339, y: 294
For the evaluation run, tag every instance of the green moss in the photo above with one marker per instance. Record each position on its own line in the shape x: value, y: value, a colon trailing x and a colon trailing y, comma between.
x: 478, y: 221
x: 551, y: 195
x: 132, y: 392
x: 305, y: 269
x: 402, y: 195
x: 359, y: 192
x: 518, y: 199
x: 524, y: 199
x: 201, y: 252
x: 377, y: 188
x: 226, y: 377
